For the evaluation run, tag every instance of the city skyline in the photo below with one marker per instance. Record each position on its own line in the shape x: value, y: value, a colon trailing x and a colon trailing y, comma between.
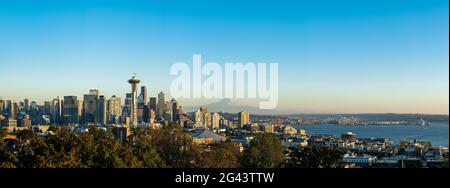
x: 180, y: 85
x: 390, y: 58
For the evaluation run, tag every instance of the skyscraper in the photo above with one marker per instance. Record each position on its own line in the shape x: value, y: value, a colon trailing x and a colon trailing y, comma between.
x: 198, y: 118
x: 202, y: 118
x: 133, y: 116
x: 26, y: 105
x: 70, y: 110
x: 144, y: 95
x: 34, y: 113
x: 101, y: 110
x: 55, y: 112
x: 207, y: 119
x: 15, y: 110
x: 114, y: 109
x: 90, y: 106
x: 244, y: 119
x: 21, y: 106
x: 47, y: 108
x: 215, y: 121
x: 80, y: 110
x: 2, y: 105
x: 175, y: 110
x: 141, y: 110
x: 152, y: 103
x: 161, y: 103
x: 9, y: 109
x: 167, y: 114
x: 127, y: 106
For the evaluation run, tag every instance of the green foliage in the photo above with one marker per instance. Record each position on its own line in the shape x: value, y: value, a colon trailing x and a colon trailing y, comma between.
x: 265, y: 151
x: 314, y: 157
x: 225, y: 155
x: 167, y: 147
x: 145, y: 148
x: 175, y: 147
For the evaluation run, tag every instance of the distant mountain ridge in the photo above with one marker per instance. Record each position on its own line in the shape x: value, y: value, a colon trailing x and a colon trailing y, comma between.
x: 228, y: 105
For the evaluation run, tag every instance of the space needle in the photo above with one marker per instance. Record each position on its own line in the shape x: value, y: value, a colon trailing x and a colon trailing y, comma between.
x: 133, y: 116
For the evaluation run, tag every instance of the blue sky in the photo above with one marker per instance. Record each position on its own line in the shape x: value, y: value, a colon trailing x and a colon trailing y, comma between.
x: 334, y: 56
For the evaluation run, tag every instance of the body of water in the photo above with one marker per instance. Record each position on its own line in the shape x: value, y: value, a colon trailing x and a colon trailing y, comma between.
x: 437, y: 133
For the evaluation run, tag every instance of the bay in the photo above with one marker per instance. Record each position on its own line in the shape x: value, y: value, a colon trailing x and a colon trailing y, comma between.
x: 437, y: 133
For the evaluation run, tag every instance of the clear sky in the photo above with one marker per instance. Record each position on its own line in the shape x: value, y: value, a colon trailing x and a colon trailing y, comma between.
x: 347, y: 56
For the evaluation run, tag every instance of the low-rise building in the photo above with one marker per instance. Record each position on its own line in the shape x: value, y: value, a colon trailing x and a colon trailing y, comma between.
x: 363, y: 161
x: 206, y: 137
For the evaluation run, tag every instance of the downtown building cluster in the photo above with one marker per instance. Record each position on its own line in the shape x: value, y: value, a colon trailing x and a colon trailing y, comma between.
x: 93, y: 108
x: 96, y: 109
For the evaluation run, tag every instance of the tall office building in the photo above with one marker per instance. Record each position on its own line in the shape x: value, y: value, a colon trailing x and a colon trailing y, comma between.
x: 26, y: 105
x: 141, y: 110
x: 7, y: 105
x: 101, y: 109
x: 133, y: 116
x: 161, y: 104
x: 15, y: 110
x: 55, y: 112
x: 152, y: 103
x: 21, y: 106
x: 33, y: 106
x: 215, y: 121
x: 127, y: 106
x: 244, y: 119
x: 34, y: 112
x: 202, y: 118
x: 114, y: 109
x: 9, y: 109
x: 175, y: 110
x: 145, y: 114
x: 2, y: 106
x: 198, y: 118
x: 47, y: 108
x: 143, y: 95
x: 90, y: 106
x: 80, y: 110
x: 70, y: 110
x: 224, y: 123
x: 167, y: 115
x: 207, y: 119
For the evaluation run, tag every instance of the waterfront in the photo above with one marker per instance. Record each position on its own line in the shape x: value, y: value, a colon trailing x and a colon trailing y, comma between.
x: 437, y: 133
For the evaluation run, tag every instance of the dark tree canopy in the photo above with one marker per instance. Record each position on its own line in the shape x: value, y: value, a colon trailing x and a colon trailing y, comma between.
x: 265, y: 151
x: 315, y: 157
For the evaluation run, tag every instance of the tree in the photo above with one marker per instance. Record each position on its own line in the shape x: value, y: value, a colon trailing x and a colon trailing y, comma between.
x: 175, y: 146
x: 2, y: 135
x: 25, y: 134
x: 314, y: 157
x: 143, y: 149
x: 222, y: 156
x: 6, y: 158
x: 264, y: 151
